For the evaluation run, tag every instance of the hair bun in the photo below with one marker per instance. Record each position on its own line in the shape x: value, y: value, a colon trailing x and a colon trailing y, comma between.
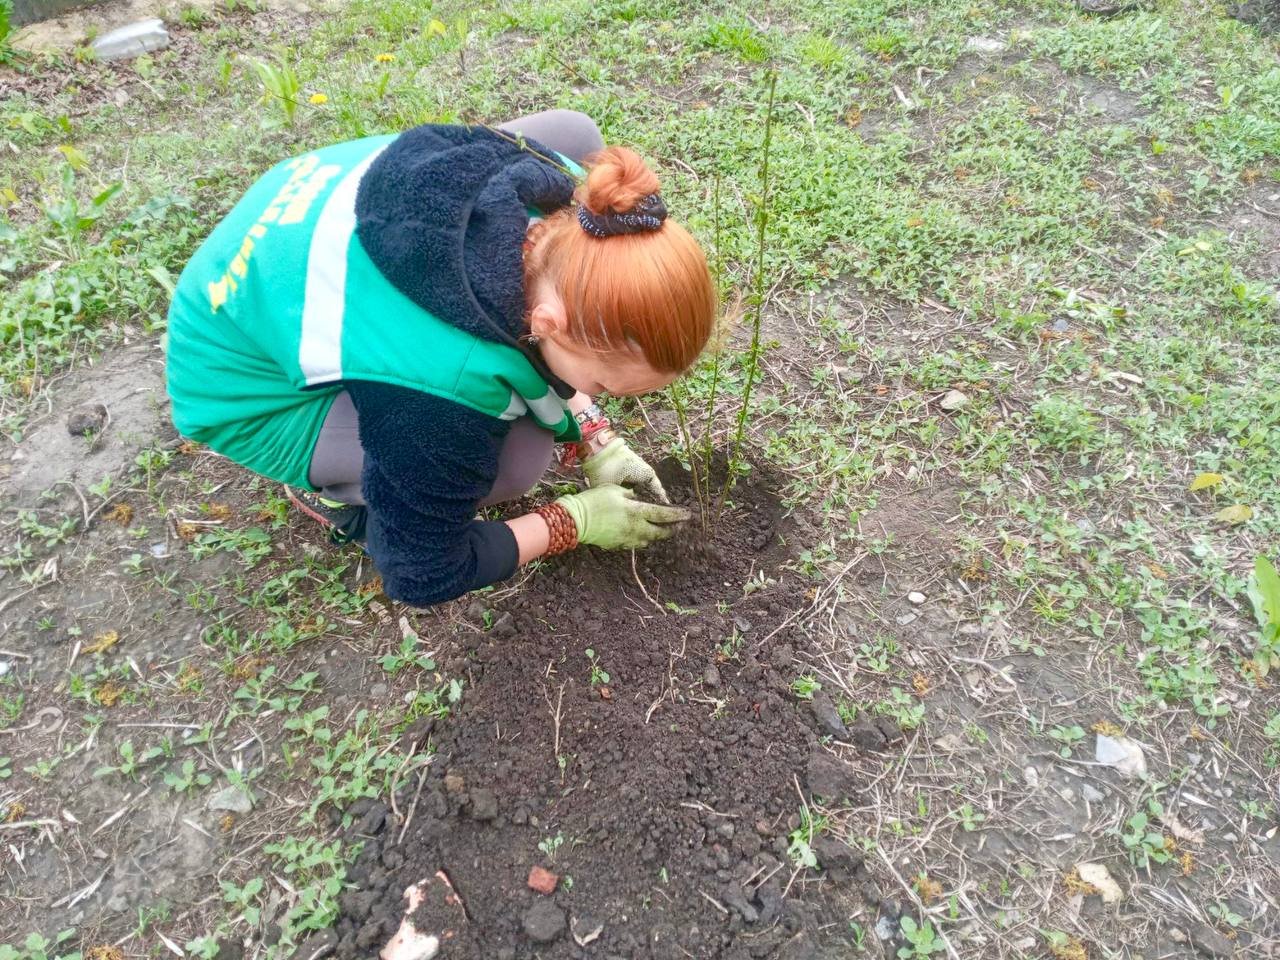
x: 617, y: 181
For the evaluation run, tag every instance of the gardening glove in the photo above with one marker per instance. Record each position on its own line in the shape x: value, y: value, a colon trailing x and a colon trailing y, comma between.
x: 618, y: 463
x: 610, y: 516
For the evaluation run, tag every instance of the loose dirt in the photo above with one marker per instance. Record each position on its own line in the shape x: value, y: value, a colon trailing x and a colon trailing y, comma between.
x: 663, y: 795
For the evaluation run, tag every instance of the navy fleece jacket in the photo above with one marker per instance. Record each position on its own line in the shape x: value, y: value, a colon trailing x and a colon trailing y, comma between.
x: 443, y: 214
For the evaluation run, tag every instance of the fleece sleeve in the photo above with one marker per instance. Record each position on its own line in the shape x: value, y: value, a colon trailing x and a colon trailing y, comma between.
x: 428, y: 463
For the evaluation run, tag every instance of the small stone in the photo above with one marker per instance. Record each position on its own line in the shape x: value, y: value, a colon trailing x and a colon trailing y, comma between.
x: 231, y: 800
x: 907, y: 618
x: 954, y: 400
x: 87, y: 420
x: 828, y: 717
x: 886, y: 928
x: 985, y: 45
x: 118, y: 904
x: 542, y: 880
x: 726, y: 830
x: 132, y: 41
x: 1091, y: 793
x: 378, y: 691
x: 1031, y: 777
x: 1210, y: 942
x: 916, y: 597
x: 543, y: 922
x: 484, y: 805
x: 4, y: 667
x: 711, y: 676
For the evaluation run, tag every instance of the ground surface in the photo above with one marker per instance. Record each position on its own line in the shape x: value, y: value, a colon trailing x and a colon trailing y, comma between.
x: 1013, y: 454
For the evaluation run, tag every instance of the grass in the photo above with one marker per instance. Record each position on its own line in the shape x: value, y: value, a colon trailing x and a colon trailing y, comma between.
x: 941, y: 221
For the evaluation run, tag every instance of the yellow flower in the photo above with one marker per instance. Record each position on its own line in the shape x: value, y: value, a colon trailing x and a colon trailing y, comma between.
x: 318, y: 98
x: 385, y: 57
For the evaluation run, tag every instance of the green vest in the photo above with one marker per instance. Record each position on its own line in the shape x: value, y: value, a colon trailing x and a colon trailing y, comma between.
x: 281, y: 304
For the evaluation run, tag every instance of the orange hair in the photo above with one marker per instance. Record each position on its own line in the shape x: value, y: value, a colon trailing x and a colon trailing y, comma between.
x: 651, y: 290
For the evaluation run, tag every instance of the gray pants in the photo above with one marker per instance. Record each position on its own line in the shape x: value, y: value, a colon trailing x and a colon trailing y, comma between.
x: 338, y: 459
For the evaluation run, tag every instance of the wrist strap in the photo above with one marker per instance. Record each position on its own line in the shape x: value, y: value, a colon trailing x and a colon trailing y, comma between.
x: 598, y: 429
x: 563, y: 531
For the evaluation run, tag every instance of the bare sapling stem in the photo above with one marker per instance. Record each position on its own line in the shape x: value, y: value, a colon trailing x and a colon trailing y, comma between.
x: 719, y: 349
x: 757, y: 300
x: 682, y: 419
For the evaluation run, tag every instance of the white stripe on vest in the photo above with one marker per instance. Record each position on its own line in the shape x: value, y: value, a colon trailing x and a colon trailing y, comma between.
x: 320, y: 351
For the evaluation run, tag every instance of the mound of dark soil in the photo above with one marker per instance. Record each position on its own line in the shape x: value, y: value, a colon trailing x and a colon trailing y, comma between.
x: 662, y: 797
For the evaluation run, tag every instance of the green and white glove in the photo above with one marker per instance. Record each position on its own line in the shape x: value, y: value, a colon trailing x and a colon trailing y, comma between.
x: 618, y: 463
x: 610, y: 516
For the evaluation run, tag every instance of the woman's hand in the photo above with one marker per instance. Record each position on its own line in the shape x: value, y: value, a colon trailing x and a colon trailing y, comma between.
x: 618, y: 463
x: 610, y: 516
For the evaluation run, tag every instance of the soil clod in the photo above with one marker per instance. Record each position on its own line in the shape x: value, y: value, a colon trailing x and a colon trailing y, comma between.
x: 828, y: 717
x: 544, y: 922
x: 87, y: 421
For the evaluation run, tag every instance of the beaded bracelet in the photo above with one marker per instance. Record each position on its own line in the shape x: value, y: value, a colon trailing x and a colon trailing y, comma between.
x: 561, y: 528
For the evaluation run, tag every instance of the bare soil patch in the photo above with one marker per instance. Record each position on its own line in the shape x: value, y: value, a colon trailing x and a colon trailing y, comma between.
x: 664, y: 798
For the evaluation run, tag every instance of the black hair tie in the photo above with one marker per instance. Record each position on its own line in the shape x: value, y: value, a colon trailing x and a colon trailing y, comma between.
x: 647, y: 215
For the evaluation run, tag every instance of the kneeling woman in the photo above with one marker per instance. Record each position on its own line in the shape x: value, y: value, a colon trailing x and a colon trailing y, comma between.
x: 401, y: 327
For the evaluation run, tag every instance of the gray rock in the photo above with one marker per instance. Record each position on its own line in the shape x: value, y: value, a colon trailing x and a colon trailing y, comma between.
x: 378, y: 691
x: 954, y: 400
x: 828, y: 717
x: 132, y: 41
x: 544, y: 921
x: 1210, y: 942
x: 231, y: 800
x: 87, y: 420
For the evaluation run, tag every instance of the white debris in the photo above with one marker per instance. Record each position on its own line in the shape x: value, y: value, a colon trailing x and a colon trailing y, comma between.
x: 132, y: 41
x: 232, y: 800
x: 1097, y: 875
x: 916, y: 597
x: 1091, y: 793
x: 1031, y: 777
x: 985, y: 45
x: 1121, y: 754
x: 408, y: 943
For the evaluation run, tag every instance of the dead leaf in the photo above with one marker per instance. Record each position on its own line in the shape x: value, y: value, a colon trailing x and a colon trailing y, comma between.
x: 606, y: 693
x: 102, y: 642
x: 1205, y: 481
x: 1097, y: 876
x: 1234, y: 514
x: 1106, y: 728
x: 929, y: 890
x: 1180, y: 830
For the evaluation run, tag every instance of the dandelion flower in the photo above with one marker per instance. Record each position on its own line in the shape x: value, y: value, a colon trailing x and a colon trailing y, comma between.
x: 318, y: 98
x: 385, y: 57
